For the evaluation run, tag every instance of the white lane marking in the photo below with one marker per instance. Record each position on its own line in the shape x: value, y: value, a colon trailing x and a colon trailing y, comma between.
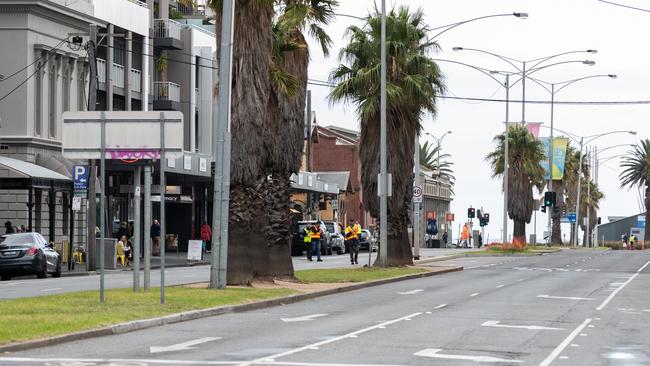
x: 412, y: 292
x: 440, y: 306
x: 474, y: 294
x: 611, y: 296
x: 556, y: 352
x: 564, y: 297
x: 499, y: 286
x: 306, y: 318
x: 52, y: 289
x: 564, y: 357
x: 574, y: 345
x: 185, y: 346
x: 613, y: 284
x: 122, y: 361
x: 435, y: 353
x: 521, y: 279
x: 496, y: 324
x: 583, y: 334
x: 328, y: 341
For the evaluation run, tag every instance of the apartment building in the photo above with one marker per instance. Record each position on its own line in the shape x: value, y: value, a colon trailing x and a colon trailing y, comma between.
x: 46, y: 74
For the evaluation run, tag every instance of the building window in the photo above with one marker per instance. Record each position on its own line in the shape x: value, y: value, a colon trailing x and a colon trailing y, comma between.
x: 52, y: 100
x: 38, y: 100
x: 119, y: 48
x: 65, y: 106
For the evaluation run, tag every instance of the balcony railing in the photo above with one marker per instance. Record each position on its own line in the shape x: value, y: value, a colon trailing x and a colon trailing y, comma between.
x: 167, y: 28
x: 166, y: 90
x: 118, y: 76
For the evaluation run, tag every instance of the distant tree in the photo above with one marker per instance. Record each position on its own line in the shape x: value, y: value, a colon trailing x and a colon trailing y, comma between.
x: 636, y: 172
x: 429, y: 158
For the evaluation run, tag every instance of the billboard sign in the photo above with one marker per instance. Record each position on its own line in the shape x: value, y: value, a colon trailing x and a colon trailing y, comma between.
x: 560, y: 145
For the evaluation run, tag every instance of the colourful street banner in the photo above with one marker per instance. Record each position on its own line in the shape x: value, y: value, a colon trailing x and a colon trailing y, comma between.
x: 533, y: 128
x: 560, y: 145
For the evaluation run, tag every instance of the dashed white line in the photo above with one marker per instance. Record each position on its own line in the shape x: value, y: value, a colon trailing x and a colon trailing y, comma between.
x: 499, y: 286
x: 52, y: 289
x: 474, y: 294
x: 440, y: 306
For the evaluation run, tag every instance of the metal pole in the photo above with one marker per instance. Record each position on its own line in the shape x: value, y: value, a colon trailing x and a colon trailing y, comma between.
x: 587, y: 237
x: 91, y: 249
x: 163, y: 237
x: 506, y: 160
x: 136, y: 229
x: 594, y: 173
x: 550, y: 167
x: 416, y: 206
x: 221, y: 198
x: 577, y: 223
x: 383, y: 199
x: 310, y: 165
x: 102, y: 206
x: 147, y: 222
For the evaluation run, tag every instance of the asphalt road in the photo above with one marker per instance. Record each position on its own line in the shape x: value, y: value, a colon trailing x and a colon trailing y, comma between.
x: 31, y: 286
x: 569, y: 308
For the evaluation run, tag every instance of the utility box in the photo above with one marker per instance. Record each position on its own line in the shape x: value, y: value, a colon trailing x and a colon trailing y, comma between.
x: 110, y: 253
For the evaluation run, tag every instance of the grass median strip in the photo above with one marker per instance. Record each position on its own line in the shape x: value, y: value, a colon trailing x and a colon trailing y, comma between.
x: 45, y: 316
x: 339, y: 275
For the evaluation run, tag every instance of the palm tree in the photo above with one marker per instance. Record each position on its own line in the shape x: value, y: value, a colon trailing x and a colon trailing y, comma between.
x: 636, y: 172
x: 429, y: 158
x: 525, y: 154
x: 251, y: 91
x: 413, y: 83
x: 572, y: 172
x: 590, y: 197
x: 286, y: 123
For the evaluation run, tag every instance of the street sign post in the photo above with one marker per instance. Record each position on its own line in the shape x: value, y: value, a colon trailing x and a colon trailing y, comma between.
x: 80, y: 176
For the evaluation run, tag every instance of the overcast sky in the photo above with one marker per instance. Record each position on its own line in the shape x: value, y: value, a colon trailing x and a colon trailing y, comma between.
x: 553, y: 26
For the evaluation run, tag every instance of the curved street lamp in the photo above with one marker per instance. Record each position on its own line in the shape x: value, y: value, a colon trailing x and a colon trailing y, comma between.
x: 553, y: 90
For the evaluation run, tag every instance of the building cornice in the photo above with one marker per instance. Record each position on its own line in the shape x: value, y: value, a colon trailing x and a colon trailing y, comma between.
x: 31, y: 141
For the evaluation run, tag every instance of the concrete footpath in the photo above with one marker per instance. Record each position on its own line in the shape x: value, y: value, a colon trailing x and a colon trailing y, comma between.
x: 220, y: 310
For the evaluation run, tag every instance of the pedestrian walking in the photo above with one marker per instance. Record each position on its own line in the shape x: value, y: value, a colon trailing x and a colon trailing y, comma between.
x: 352, y: 241
x: 633, y: 241
x: 316, y: 233
x: 465, y: 236
x: 445, y: 238
x: 155, y: 238
x: 480, y: 240
x: 9, y: 228
x: 206, y: 236
x: 306, y: 239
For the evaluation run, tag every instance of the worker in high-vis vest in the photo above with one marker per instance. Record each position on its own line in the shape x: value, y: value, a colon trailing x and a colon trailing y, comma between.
x: 315, y: 234
x: 306, y: 239
x: 352, y: 233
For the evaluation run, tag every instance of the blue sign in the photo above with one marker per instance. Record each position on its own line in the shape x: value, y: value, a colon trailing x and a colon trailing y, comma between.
x: 640, y: 221
x: 571, y: 217
x: 80, y: 175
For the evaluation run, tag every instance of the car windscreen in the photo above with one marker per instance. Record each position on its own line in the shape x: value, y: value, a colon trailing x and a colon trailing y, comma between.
x: 17, y: 239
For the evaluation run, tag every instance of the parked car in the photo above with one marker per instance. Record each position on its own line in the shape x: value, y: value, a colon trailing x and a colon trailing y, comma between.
x: 366, y: 240
x: 298, y: 243
x: 334, y: 237
x: 27, y: 254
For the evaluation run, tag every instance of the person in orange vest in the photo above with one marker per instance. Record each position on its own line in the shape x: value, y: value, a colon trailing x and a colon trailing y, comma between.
x: 315, y: 233
x: 465, y: 235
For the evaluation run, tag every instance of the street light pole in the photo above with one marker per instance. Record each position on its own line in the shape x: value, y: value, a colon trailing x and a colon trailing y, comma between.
x: 506, y: 163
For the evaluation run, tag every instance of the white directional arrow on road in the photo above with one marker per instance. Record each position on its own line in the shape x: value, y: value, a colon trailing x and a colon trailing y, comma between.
x: 412, y: 292
x: 564, y: 297
x: 495, y: 324
x: 182, y: 346
x: 306, y: 318
x: 434, y: 353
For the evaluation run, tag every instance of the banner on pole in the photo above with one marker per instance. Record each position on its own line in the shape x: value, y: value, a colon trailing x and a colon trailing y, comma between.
x: 560, y: 145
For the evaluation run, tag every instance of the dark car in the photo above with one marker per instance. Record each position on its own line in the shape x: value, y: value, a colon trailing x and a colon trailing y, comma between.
x: 366, y: 241
x: 27, y: 254
x: 297, y: 242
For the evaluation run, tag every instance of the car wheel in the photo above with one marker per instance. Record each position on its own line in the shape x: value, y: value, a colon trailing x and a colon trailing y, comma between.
x: 57, y: 273
x: 329, y: 251
x: 5, y: 278
x: 43, y: 272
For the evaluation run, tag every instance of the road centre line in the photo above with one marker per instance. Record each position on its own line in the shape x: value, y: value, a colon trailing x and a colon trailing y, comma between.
x: 474, y: 294
x: 611, y: 296
x: 272, y: 358
x: 563, y: 297
x: 497, y: 324
x: 556, y: 352
x: 52, y: 289
x: 499, y: 286
x: 440, y: 306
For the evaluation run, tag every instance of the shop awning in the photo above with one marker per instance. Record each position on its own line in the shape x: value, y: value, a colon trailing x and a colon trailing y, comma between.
x: 19, y: 174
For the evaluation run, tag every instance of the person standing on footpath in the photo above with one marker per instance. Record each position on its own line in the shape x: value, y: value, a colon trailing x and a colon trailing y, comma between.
x: 316, y: 233
x: 352, y: 240
x: 206, y: 236
x: 306, y: 239
x: 155, y: 238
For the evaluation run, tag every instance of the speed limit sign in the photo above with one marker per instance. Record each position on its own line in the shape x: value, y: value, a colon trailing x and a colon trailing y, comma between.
x: 417, y: 194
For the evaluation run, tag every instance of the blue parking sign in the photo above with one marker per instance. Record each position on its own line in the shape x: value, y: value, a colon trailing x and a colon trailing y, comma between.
x: 80, y: 175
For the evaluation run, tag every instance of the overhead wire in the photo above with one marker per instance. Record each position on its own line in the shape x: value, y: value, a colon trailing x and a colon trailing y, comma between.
x: 35, y: 61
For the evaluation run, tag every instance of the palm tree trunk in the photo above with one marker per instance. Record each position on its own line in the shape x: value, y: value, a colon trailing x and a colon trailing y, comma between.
x: 556, y: 227
x: 646, y: 234
x: 251, y: 87
x: 519, y: 230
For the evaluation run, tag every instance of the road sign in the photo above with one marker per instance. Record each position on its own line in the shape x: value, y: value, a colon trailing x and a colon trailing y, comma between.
x: 76, y: 203
x: 449, y: 217
x: 571, y: 216
x: 335, y: 204
x: 80, y: 174
x: 417, y: 193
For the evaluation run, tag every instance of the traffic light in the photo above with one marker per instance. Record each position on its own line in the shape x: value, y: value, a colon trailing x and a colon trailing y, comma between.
x: 549, y: 199
x: 543, y: 208
x: 486, y: 218
x: 471, y: 213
